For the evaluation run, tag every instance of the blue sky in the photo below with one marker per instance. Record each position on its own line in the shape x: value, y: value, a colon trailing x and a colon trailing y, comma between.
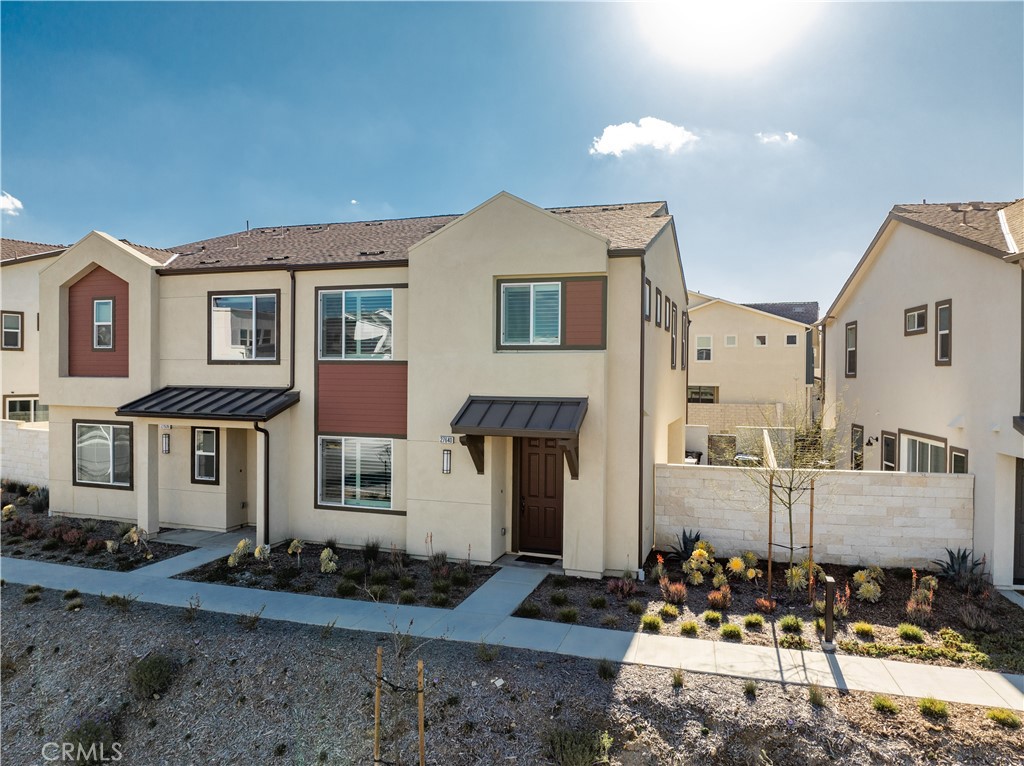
x: 779, y: 138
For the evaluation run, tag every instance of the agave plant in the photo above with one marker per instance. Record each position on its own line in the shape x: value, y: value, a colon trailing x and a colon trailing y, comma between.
x: 687, y: 542
x: 958, y: 564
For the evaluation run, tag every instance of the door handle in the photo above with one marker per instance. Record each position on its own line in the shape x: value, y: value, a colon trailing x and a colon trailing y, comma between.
x: 522, y: 506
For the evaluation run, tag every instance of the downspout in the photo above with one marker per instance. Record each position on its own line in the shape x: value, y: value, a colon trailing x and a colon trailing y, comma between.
x: 256, y: 424
x: 640, y: 470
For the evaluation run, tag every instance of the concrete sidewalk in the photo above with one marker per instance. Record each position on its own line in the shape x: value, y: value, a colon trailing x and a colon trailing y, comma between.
x: 485, y: 617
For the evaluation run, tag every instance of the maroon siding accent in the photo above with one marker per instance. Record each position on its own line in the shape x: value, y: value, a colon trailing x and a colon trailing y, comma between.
x: 584, y: 313
x: 364, y: 398
x: 83, y: 360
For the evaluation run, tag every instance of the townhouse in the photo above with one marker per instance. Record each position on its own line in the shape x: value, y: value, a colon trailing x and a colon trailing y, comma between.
x: 924, y: 352
x: 499, y: 381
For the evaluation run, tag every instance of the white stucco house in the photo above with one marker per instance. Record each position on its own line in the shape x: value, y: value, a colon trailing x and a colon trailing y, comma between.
x: 924, y: 352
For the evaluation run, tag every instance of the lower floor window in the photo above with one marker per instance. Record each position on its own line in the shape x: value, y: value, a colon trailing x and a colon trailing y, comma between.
x: 103, y: 454
x: 702, y: 394
x: 204, y: 455
x: 355, y: 471
x: 857, y: 448
x: 27, y: 410
x: 924, y: 455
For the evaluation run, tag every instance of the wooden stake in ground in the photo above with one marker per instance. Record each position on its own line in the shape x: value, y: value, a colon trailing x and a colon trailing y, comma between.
x: 376, y: 706
x: 771, y: 536
x: 419, y: 695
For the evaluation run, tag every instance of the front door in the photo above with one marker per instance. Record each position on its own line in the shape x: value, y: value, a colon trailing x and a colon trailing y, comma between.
x: 1018, y: 527
x: 540, y: 495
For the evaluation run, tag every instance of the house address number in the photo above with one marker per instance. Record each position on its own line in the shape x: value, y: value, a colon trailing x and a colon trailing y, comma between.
x: 447, y: 440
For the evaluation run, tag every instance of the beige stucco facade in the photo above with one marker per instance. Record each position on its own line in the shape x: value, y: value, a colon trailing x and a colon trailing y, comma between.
x: 968, y: 404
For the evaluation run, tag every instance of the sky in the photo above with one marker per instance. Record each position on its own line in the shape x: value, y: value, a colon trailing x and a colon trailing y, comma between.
x: 779, y: 134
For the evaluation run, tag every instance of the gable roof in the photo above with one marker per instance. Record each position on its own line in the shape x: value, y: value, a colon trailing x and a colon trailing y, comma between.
x: 805, y: 312
x: 17, y: 249
x: 629, y: 228
x: 156, y: 253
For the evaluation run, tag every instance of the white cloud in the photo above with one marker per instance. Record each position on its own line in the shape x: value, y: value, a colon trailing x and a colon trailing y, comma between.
x: 354, y: 202
x: 10, y: 205
x: 777, y: 138
x: 649, y: 131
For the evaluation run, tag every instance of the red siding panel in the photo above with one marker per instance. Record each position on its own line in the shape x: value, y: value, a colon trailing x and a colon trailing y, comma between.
x: 83, y: 360
x: 584, y: 313
x: 362, y: 398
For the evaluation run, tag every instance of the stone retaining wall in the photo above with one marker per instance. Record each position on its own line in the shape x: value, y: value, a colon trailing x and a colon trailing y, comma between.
x: 25, y: 452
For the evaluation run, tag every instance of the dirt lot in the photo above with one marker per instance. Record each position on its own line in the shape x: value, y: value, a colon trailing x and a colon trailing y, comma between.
x: 282, y: 693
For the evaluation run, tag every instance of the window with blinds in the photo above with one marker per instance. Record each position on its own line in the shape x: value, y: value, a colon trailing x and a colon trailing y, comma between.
x: 355, y: 472
x: 531, y: 314
x: 356, y: 324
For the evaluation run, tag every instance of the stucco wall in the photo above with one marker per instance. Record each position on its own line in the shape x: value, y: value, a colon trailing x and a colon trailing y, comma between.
x: 860, y: 517
x: 725, y: 418
x: 24, y: 452
x: 19, y: 291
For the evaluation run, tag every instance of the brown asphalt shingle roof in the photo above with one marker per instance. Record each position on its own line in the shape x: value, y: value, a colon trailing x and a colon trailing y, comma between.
x: 156, y: 253
x: 976, y: 222
x: 16, y: 248
x: 627, y: 227
x: 805, y: 312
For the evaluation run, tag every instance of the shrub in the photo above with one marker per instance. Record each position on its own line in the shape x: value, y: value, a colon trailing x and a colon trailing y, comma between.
x: 371, y: 551
x: 910, y: 633
x: 94, y: 734
x: 407, y: 597
x: 486, y: 652
x: 677, y: 678
x: 122, y: 528
x: 721, y: 598
x: 93, y: 546
x: 345, y: 588
x: 560, y: 581
x: 439, y: 599
x: 635, y: 607
x: 719, y: 580
x: 192, y: 610
x: 933, y: 708
x: 559, y: 598
x: 883, y: 704
x: 569, y: 614
x: 437, y: 563
x: 354, y: 573
x: 791, y: 624
x: 651, y: 623
x: 598, y: 602
x: 577, y: 747
x: 686, y: 543
x: 379, y: 592
x: 406, y: 582
x: 249, y: 620
x: 689, y: 628
x: 70, y: 594
x: 607, y: 670
x: 789, y: 641
x: 815, y: 695
x: 152, y: 675
x: 974, y: 617
x: 610, y: 621
x: 668, y: 611
x: 959, y: 566
x: 328, y: 561
x: 32, y: 531
x: 736, y: 567
x: 527, y: 609
x: 765, y: 605
x: 461, y: 577
x: 332, y: 543
x: 124, y: 603
x: 753, y: 622
x: 49, y: 545
x: 731, y: 632
x: 1003, y: 717
x: 40, y: 502
x: 672, y: 592
x: 870, y: 592
x: 380, y: 577
x: 819, y: 624
x: 441, y: 585
x: 622, y: 587
x: 31, y: 598
x: 864, y: 630
x: 711, y: 617
x: 750, y: 688
x: 796, y: 578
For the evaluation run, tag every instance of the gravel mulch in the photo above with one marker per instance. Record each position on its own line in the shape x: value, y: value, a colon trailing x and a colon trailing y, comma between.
x: 76, y: 542
x: 388, y: 576
x: 294, y: 694
x: 595, y: 606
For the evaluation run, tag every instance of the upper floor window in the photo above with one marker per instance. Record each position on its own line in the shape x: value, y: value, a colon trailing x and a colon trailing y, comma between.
x: 922, y: 454
x: 675, y: 334
x: 356, y: 324
x: 760, y: 341
x: 790, y: 340
x: 13, y: 330
x: 668, y: 310
x: 851, y: 349
x: 103, y: 323
x: 944, y: 332
x: 915, y: 320
x: 702, y: 394
x: 26, y: 409
x: 243, y: 327
x: 103, y: 454
x: 703, y: 348
x: 730, y: 341
x: 531, y: 314
x: 647, y: 300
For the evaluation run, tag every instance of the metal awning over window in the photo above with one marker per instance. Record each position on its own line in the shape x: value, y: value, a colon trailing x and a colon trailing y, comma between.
x: 537, y: 417
x: 212, y: 403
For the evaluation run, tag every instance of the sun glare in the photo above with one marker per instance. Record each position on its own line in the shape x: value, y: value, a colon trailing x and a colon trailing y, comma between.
x: 724, y: 36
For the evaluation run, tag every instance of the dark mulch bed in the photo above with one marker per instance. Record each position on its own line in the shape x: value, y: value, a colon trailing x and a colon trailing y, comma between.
x: 75, y: 542
x: 388, y: 576
x: 997, y: 646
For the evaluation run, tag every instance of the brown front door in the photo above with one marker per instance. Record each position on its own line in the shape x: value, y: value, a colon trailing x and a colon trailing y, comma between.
x: 1018, y: 527
x: 540, y: 496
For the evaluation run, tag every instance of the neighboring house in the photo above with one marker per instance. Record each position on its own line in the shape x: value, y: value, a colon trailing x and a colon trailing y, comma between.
x: 924, y: 350
x: 478, y: 384
x: 750, y: 362
x: 20, y: 264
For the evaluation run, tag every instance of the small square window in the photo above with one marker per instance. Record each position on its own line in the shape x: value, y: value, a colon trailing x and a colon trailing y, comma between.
x: 760, y: 340
x: 790, y: 340
x: 915, y: 321
x: 730, y: 341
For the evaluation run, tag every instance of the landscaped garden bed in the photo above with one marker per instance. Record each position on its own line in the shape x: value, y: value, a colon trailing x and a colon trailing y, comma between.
x: 28, y: 532
x: 897, y: 613
x: 369, y: 573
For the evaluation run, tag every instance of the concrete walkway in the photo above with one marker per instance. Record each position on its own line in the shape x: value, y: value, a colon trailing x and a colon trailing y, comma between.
x: 485, y: 617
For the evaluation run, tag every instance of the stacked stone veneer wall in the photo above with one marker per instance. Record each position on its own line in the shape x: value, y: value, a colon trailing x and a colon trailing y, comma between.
x: 860, y: 517
x: 724, y: 418
x: 25, y: 452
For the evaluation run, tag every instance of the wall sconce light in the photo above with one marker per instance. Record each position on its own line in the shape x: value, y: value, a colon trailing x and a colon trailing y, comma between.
x: 872, y: 441
x: 446, y: 461
x: 165, y: 443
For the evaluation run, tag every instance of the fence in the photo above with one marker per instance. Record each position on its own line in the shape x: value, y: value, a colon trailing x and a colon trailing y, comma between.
x: 25, y: 452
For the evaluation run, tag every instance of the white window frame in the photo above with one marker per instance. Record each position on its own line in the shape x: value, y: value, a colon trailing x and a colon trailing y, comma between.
x: 109, y: 428
x: 3, y: 330
x: 908, y: 452
x: 33, y: 408
x: 943, y: 361
x: 730, y: 341
x: 533, y: 302
x: 760, y: 343
x: 954, y: 453
x: 851, y: 370
x: 344, y: 355
x: 648, y: 287
x: 856, y: 447
x: 96, y: 325
x: 197, y: 453
x: 709, y: 348
x: 919, y: 314
x: 883, y: 463
x: 795, y: 338
x: 370, y: 506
